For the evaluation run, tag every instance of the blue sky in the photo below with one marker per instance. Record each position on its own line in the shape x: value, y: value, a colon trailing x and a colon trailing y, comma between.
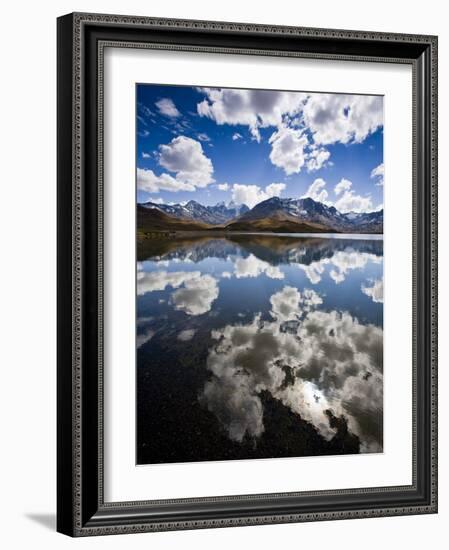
x: 220, y: 144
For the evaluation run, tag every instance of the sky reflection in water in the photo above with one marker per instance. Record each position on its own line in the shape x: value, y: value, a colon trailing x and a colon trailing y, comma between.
x: 246, y: 321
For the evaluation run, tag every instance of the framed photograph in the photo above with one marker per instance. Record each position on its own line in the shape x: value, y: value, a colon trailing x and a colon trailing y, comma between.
x: 247, y: 283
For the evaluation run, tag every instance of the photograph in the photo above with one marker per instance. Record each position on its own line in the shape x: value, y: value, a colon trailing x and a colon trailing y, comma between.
x: 259, y: 273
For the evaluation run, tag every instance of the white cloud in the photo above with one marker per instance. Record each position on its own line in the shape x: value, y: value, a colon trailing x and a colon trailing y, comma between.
x: 285, y: 304
x: 350, y: 202
x: 287, y: 149
x: 145, y: 155
x: 185, y: 157
x: 375, y: 291
x: 274, y: 189
x: 342, y: 185
x: 330, y: 118
x: 194, y: 298
x: 157, y: 200
x: 167, y: 107
x: 160, y: 280
x: 290, y: 304
x: 253, y: 108
x: 197, y: 295
x: 316, y: 159
x: 335, y: 362
x: 340, y: 264
x: 378, y: 174
x: 149, y: 182
x: 310, y: 299
x: 342, y: 118
x: 349, y: 260
x: 316, y: 191
x: 253, y: 194
x: 253, y: 267
x: 223, y: 186
x: 313, y: 272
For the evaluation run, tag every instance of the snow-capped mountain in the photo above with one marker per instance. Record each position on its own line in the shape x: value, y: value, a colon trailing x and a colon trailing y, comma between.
x: 193, y: 210
x: 274, y: 214
x: 310, y: 211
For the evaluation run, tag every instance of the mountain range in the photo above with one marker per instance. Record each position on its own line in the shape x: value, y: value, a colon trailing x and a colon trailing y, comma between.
x: 193, y: 210
x: 274, y: 214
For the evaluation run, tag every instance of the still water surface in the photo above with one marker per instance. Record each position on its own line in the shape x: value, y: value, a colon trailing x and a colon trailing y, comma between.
x: 258, y: 346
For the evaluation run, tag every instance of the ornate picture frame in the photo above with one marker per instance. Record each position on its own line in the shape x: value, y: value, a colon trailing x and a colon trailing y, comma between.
x: 81, y: 507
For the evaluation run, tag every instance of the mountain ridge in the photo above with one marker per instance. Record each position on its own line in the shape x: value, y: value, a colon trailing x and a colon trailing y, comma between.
x: 283, y: 215
x: 217, y: 214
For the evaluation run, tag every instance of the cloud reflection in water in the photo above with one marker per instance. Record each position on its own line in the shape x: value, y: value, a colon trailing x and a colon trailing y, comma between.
x: 336, y: 363
x: 308, y: 333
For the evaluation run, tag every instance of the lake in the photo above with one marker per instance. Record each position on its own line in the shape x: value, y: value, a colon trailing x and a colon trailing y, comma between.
x: 258, y: 346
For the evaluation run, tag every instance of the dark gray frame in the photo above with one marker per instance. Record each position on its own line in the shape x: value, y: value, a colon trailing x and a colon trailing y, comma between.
x: 81, y: 42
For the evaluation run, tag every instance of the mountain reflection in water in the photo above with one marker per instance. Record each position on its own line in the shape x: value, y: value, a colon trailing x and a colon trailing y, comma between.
x: 258, y: 346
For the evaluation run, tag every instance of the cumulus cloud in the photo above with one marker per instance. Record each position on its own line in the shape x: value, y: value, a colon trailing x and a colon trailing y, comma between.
x: 375, y: 291
x: 223, y: 186
x: 253, y: 108
x: 194, y: 292
x: 351, y: 202
x: 342, y: 185
x: 339, y: 264
x: 167, y: 107
x: 289, y: 304
x: 378, y: 174
x: 335, y: 362
x: 285, y: 304
x: 197, y: 295
x: 314, y: 271
x: 253, y: 267
x: 310, y: 299
x: 160, y: 280
x: 316, y: 159
x: 274, y: 189
x: 304, y: 122
x: 185, y: 157
x: 316, y: 191
x: 348, y: 201
x: 333, y: 118
x: 149, y: 182
x: 287, y: 149
x: 253, y: 194
x: 345, y: 261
